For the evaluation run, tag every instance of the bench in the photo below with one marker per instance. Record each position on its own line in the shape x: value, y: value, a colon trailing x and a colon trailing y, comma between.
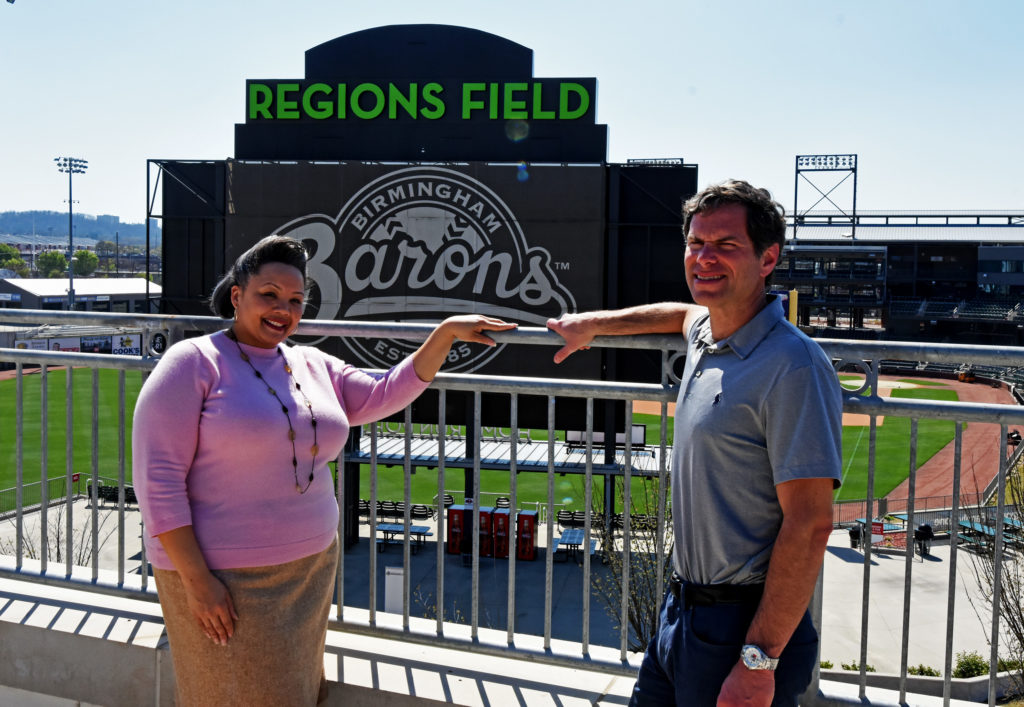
x: 106, y: 493
x: 972, y: 540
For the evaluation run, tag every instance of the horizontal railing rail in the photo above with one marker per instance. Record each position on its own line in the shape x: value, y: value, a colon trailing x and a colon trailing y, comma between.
x: 858, y: 356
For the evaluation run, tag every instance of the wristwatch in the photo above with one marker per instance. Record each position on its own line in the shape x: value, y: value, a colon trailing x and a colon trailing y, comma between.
x: 756, y: 659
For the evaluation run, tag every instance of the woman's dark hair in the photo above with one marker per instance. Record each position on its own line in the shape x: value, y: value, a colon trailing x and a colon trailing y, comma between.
x: 272, y: 249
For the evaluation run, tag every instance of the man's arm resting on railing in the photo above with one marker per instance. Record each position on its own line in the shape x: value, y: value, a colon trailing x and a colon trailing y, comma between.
x: 208, y: 598
x: 579, y: 329
x: 792, y: 573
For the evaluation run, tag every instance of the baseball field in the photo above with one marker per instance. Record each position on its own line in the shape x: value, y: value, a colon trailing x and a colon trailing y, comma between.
x: 891, y: 463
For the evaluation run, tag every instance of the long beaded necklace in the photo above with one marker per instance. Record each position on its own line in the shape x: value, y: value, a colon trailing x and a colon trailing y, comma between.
x: 315, y: 449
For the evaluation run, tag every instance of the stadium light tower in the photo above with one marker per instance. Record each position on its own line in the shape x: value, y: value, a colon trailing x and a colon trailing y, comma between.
x: 71, y: 165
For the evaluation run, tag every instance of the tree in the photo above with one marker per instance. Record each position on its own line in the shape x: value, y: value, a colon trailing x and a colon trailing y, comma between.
x: 85, y: 262
x: 105, y: 250
x: 52, y: 263
x: 644, y: 602
x: 7, y: 252
x: 19, y: 266
x: 1011, y: 572
x: 10, y: 259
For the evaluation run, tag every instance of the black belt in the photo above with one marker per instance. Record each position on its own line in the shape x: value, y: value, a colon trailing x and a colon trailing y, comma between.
x: 710, y: 594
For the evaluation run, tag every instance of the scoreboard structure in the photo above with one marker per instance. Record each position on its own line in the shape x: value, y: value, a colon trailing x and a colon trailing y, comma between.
x: 430, y: 173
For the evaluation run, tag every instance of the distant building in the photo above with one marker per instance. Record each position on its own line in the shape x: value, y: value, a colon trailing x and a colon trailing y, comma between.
x: 91, y: 294
x: 28, y: 245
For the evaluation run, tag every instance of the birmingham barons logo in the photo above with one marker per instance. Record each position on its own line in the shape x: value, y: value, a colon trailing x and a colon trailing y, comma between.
x: 422, y: 243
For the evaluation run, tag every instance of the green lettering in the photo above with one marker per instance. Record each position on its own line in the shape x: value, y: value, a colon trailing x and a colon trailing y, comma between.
x: 564, y: 112
x: 342, y: 98
x: 538, y: 111
x: 493, y: 100
x: 287, y: 109
x: 395, y: 99
x: 515, y: 109
x: 357, y: 94
x: 260, y: 100
x: 468, y: 104
x: 430, y: 95
x: 319, y: 109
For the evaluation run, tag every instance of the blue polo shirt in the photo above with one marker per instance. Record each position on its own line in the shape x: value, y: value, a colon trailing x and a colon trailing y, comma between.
x: 759, y: 408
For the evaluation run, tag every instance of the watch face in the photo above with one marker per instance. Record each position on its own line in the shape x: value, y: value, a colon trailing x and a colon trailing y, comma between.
x: 755, y: 659
x: 752, y: 656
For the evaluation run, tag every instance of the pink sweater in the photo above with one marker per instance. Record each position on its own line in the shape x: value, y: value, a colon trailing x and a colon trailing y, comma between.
x: 211, y: 450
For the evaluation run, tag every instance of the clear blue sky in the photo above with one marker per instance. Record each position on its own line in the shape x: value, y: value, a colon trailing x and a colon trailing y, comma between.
x: 926, y: 92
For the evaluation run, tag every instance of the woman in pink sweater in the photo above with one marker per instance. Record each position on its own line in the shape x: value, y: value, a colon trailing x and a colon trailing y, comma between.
x: 231, y: 440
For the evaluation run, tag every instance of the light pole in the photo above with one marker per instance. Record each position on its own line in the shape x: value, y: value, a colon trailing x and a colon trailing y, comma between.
x: 71, y: 165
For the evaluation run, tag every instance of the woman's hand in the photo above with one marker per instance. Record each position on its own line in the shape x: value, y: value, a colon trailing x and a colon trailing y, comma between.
x: 208, y: 598
x: 471, y: 327
x: 211, y: 605
x: 428, y: 358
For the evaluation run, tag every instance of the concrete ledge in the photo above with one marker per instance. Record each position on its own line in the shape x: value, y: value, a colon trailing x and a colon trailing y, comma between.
x: 82, y: 646
x: 965, y: 690
x: 63, y: 646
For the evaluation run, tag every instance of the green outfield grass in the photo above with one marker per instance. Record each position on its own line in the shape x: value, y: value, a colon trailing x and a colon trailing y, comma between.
x: 925, y: 382
x: 56, y: 424
x: 531, y: 487
x: 892, y: 447
x: 891, y: 466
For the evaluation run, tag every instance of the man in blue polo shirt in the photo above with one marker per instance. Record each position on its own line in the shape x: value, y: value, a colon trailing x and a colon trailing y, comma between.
x: 756, y: 457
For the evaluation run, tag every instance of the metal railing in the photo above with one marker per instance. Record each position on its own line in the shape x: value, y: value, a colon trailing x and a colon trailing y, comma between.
x: 863, y: 356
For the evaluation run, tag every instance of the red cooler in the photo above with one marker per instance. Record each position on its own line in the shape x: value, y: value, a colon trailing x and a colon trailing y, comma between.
x: 455, y: 523
x: 526, y: 535
x: 500, y: 526
x: 486, y: 539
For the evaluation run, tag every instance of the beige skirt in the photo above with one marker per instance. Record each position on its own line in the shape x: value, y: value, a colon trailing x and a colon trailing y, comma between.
x: 275, y: 656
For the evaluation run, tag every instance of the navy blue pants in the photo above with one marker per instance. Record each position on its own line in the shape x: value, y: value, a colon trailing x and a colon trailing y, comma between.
x: 695, y: 648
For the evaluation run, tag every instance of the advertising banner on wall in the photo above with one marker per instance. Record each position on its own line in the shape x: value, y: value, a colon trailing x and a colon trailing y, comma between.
x: 418, y: 243
x: 31, y: 344
x: 129, y: 344
x: 65, y: 343
x: 96, y: 344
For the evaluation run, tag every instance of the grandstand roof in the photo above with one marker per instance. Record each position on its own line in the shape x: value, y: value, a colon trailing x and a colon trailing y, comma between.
x: 916, y: 226
x: 85, y: 286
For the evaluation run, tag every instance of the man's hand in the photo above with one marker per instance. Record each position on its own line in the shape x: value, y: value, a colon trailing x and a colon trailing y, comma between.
x: 578, y: 330
x: 747, y: 687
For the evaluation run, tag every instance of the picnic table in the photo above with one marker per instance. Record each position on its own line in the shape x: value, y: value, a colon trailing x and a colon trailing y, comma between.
x: 394, y: 534
x: 570, y: 543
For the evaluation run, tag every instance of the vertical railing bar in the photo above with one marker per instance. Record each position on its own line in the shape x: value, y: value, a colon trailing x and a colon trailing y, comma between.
x: 954, y: 526
x: 19, y: 469
x: 339, y: 574
x: 627, y: 540
x: 865, y: 534
x: 406, y: 546
x: 69, y: 466
x: 909, y: 561
x: 549, y: 569
x: 372, y: 605
x: 122, y: 441
x: 439, y: 593
x: 94, y: 471
x: 997, y: 569
x: 662, y: 501
x: 475, y: 608
x: 44, y: 474
x: 588, y: 498
x: 513, y: 483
